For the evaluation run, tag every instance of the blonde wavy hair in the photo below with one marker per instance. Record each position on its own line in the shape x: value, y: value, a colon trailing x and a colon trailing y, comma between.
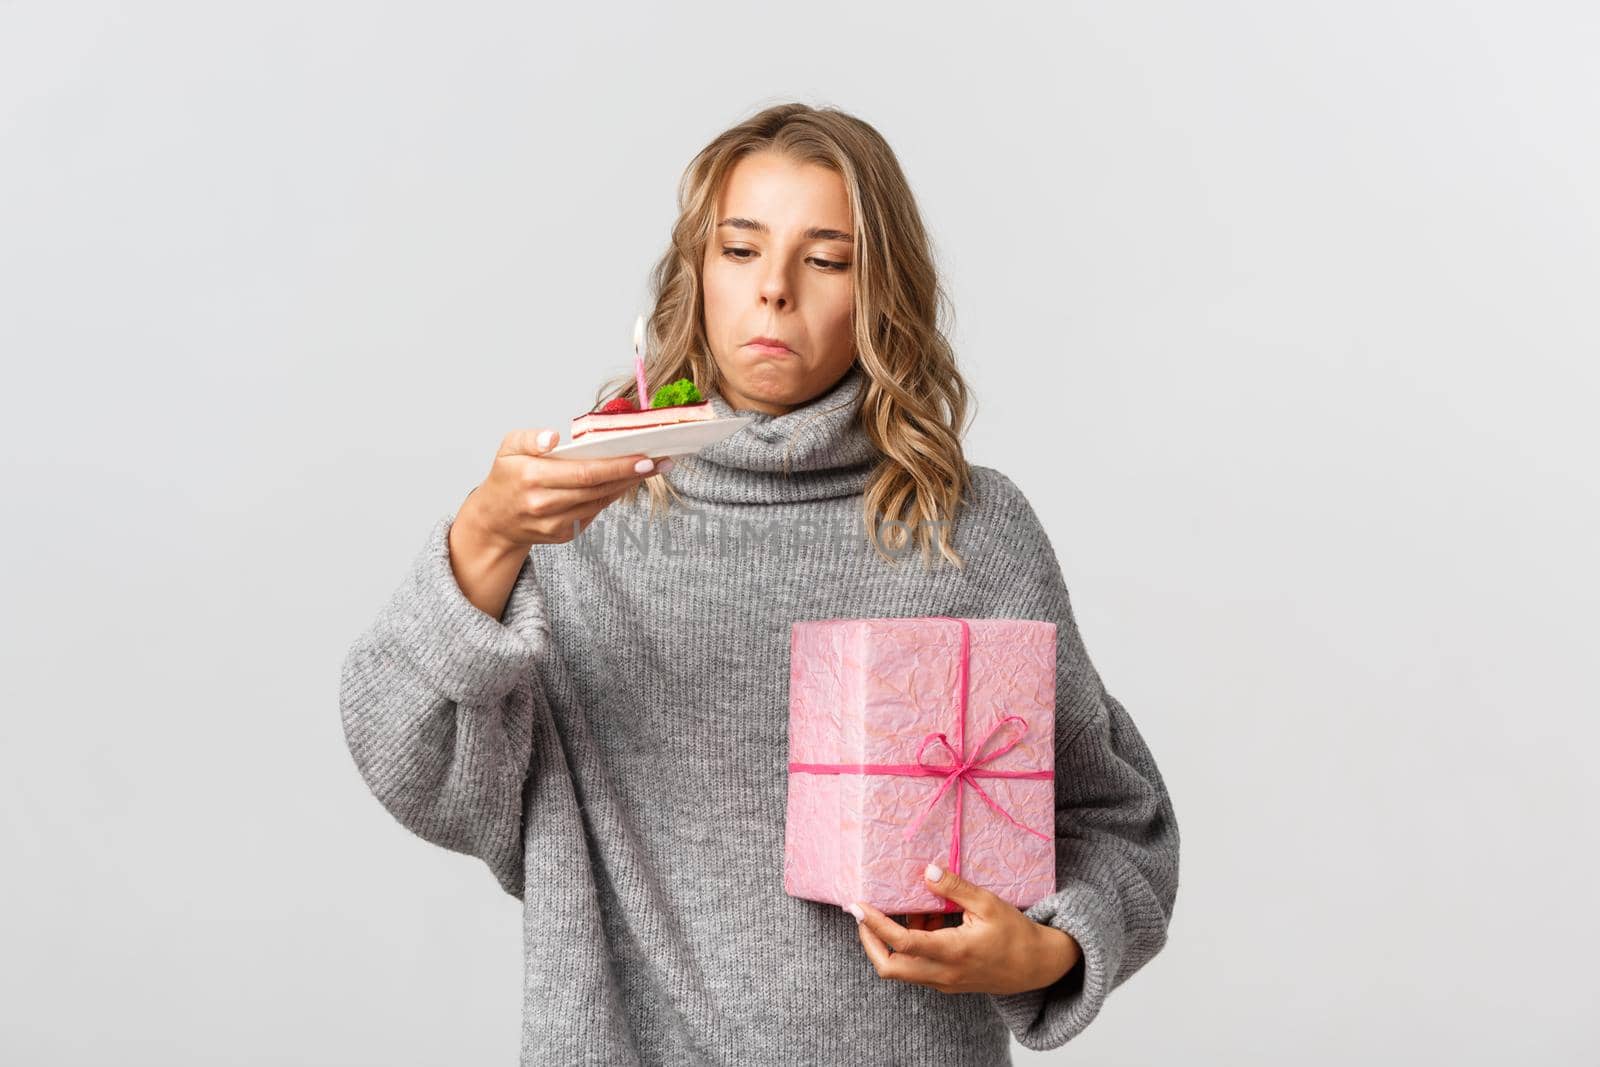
x: 916, y: 402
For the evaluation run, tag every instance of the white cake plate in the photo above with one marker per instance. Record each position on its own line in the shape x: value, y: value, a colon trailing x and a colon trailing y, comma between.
x: 681, y: 439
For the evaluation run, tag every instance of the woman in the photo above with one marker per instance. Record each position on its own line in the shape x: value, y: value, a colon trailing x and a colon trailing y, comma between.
x: 600, y: 713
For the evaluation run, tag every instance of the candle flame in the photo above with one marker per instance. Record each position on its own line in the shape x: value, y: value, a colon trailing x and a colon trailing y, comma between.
x: 638, y: 336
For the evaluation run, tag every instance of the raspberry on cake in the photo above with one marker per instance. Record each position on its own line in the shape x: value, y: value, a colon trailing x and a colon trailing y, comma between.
x: 675, y: 402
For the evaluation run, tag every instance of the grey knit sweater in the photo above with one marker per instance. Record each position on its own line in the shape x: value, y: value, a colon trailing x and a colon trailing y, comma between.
x: 614, y: 748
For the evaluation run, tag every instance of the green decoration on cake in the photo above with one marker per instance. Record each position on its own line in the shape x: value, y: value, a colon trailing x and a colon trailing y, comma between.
x: 681, y: 391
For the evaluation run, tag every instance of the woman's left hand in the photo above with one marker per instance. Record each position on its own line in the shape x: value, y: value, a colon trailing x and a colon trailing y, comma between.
x: 996, y: 949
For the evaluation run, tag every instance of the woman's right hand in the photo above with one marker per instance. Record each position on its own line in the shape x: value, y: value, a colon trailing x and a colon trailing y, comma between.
x: 530, y: 498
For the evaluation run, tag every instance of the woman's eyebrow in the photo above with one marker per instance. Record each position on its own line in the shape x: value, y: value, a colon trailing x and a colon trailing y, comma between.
x: 816, y: 233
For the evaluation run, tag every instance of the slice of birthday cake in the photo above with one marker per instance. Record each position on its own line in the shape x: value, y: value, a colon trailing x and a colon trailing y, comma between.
x: 675, y: 402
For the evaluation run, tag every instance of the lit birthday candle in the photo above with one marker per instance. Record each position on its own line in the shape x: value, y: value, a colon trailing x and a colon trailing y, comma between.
x: 638, y: 361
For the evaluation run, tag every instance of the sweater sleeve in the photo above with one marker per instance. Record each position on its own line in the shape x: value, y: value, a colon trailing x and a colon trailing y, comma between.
x: 1116, y: 833
x: 438, y: 701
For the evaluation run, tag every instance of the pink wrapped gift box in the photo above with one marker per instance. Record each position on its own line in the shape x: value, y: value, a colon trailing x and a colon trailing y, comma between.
x: 914, y: 740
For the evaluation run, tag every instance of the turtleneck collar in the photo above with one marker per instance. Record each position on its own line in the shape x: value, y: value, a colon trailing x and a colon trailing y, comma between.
x: 817, y: 451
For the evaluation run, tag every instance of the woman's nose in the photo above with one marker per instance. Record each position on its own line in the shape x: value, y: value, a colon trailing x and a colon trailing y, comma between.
x: 775, y: 287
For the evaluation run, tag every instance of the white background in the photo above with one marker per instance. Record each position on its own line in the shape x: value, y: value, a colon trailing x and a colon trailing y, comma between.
x: 1283, y: 315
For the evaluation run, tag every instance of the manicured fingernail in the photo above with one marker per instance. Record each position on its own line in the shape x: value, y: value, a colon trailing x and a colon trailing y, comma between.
x: 644, y: 465
x: 665, y: 465
x: 934, y: 872
x: 855, y: 909
x: 547, y: 439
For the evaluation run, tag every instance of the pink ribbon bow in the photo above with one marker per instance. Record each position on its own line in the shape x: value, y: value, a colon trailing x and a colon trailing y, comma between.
x: 961, y: 772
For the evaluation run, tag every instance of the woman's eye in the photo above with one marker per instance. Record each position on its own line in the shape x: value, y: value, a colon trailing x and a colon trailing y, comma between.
x: 741, y: 255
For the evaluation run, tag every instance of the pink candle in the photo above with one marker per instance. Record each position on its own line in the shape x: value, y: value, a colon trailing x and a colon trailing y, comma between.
x: 638, y: 361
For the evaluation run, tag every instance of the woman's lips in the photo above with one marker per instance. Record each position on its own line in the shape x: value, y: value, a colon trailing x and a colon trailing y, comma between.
x: 771, y: 350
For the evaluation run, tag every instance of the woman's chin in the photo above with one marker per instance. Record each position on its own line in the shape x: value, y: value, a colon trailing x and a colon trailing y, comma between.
x: 780, y: 386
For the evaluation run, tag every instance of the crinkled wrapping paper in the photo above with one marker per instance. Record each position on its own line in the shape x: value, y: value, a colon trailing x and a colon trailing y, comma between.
x: 872, y: 692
